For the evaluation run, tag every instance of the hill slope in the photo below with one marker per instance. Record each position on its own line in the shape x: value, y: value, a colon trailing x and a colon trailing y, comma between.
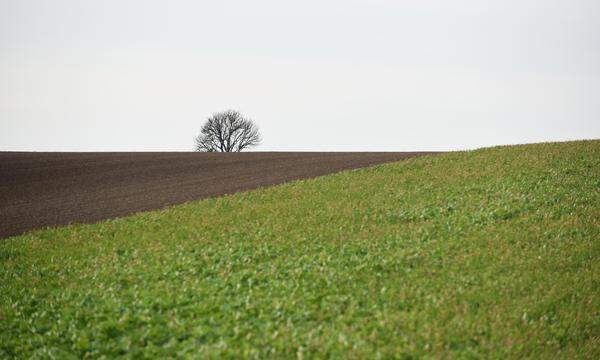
x: 493, y: 253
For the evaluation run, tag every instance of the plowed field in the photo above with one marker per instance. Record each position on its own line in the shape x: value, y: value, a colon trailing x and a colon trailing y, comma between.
x: 49, y: 189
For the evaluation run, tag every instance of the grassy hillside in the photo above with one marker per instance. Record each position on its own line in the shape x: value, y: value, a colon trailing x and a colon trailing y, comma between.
x: 494, y: 253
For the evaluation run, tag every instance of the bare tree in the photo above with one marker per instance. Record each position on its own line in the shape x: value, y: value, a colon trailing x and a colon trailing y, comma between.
x: 227, y: 131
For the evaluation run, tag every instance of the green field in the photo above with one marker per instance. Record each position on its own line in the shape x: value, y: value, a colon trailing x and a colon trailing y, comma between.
x: 487, y: 253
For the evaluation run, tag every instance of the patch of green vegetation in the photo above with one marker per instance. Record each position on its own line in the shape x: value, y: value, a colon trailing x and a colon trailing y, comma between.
x: 488, y: 253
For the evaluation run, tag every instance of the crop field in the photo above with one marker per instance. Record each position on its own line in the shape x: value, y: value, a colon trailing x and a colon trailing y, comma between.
x: 491, y: 253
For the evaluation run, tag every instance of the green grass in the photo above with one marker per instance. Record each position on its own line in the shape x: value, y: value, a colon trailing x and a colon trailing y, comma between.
x: 488, y: 253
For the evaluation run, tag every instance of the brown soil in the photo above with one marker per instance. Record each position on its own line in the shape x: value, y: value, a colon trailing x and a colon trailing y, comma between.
x: 49, y: 189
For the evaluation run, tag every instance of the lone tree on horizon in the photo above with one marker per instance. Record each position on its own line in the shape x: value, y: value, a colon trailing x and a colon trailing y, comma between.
x: 227, y: 131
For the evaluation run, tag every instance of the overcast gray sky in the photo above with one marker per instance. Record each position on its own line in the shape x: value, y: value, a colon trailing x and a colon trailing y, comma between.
x: 340, y: 75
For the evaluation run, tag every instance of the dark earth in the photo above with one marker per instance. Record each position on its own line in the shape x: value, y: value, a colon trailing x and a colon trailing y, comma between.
x: 40, y: 190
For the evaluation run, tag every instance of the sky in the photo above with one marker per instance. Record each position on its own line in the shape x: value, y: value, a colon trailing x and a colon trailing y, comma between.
x: 314, y: 75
